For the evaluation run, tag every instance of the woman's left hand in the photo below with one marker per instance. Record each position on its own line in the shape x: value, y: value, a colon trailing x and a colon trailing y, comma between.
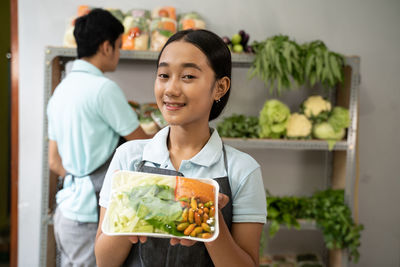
x: 222, y: 201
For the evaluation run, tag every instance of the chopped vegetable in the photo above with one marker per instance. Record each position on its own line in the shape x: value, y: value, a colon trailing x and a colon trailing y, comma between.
x: 273, y: 119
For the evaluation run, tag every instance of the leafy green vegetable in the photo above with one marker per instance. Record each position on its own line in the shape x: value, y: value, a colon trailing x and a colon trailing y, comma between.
x: 239, y: 126
x: 273, y: 119
x: 322, y: 65
x: 339, y: 118
x: 327, y: 208
x: 148, y: 208
x: 276, y: 61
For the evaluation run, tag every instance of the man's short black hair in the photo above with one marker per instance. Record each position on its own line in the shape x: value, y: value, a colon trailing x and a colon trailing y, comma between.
x: 93, y: 29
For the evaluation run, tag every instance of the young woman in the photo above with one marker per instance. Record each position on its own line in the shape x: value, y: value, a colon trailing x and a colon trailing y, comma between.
x: 192, y: 87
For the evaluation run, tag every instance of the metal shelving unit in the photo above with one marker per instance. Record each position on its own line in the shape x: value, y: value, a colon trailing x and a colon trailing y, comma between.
x: 343, y: 159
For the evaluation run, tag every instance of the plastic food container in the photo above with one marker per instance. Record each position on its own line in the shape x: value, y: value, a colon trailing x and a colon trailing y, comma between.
x: 162, y: 206
x: 191, y: 20
x: 136, y: 25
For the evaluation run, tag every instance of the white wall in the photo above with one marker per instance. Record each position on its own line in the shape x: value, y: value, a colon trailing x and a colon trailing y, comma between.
x: 368, y: 29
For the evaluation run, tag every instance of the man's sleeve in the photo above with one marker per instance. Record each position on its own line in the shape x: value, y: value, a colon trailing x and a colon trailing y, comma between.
x: 115, y: 110
x: 50, y: 124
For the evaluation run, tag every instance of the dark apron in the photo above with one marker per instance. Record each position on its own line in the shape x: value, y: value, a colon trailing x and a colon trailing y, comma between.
x: 97, y: 176
x: 158, y: 252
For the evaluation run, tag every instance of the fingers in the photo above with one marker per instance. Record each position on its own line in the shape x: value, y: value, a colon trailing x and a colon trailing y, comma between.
x: 222, y: 200
x: 183, y: 242
x: 174, y: 241
x: 135, y: 239
x: 187, y: 242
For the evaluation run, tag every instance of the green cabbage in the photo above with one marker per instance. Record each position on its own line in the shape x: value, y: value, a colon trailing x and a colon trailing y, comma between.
x: 339, y: 118
x: 273, y: 119
x: 325, y: 131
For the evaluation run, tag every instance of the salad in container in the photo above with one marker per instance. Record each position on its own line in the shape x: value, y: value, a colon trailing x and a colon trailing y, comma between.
x: 162, y: 206
x: 136, y: 25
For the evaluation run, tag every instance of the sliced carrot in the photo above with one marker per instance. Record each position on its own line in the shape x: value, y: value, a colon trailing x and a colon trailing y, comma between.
x: 188, y: 188
x: 188, y: 24
x: 169, y: 26
x: 127, y: 42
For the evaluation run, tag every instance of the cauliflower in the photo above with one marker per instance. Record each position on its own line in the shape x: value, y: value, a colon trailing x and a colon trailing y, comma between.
x: 298, y: 126
x: 316, y: 108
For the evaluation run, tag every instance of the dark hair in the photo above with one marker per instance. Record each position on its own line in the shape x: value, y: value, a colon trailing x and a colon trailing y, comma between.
x: 93, y: 29
x: 217, y: 53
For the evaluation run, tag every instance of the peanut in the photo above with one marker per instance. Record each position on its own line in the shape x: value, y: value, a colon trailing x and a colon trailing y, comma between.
x: 206, y: 235
x: 189, y: 229
x: 182, y: 226
x: 206, y: 227
x: 185, y: 215
x: 196, y: 231
x: 197, y: 218
x: 212, y: 211
x: 205, y: 217
x: 191, y: 215
x: 193, y: 203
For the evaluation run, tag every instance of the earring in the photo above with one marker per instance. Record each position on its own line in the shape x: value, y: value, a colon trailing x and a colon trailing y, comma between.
x: 217, y: 101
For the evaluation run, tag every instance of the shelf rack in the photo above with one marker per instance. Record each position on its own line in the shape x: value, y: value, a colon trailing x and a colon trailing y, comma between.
x: 344, y: 157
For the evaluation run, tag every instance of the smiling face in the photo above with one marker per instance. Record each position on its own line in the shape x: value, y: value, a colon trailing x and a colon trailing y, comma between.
x: 185, y: 85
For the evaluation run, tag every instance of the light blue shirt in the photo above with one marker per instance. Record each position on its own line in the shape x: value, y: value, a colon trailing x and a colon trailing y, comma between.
x: 248, y: 193
x: 87, y: 113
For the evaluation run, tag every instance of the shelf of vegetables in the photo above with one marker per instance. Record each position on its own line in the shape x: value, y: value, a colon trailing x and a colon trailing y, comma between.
x: 67, y: 54
x: 343, y: 152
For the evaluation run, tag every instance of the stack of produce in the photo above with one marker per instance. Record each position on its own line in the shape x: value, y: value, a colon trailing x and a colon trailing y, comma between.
x: 136, y: 35
x: 162, y: 26
x: 191, y: 20
x: 143, y: 30
x: 315, y: 119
